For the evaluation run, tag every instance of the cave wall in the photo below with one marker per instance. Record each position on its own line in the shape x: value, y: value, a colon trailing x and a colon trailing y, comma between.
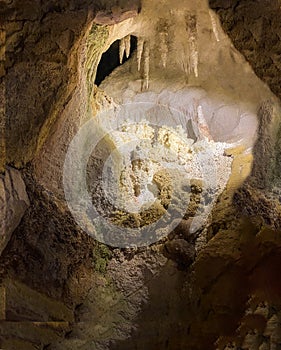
x: 255, y: 30
x: 39, y: 65
x: 38, y: 68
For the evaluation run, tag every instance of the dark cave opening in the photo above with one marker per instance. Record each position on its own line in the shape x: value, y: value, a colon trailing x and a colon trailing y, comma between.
x: 110, y: 60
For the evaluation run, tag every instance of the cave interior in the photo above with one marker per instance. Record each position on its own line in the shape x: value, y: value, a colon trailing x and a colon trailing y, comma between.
x: 140, y: 187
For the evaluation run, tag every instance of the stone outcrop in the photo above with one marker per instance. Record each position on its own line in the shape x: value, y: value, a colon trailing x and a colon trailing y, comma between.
x: 40, y: 49
x: 13, y: 204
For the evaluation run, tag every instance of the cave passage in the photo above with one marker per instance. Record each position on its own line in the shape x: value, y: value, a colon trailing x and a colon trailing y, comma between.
x: 110, y: 60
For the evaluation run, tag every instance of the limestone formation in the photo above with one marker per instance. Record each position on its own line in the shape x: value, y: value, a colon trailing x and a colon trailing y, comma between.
x: 122, y: 49
x: 146, y: 64
x: 214, y: 25
x: 163, y: 48
x: 127, y: 40
x: 140, y: 52
x: 191, y: 28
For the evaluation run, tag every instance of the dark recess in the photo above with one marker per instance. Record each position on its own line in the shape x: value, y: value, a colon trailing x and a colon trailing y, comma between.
x: 110, y: 60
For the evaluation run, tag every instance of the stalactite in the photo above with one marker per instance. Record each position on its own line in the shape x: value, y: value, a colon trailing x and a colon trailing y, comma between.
x: 214, y: 25
x: 140, y: 51
x: 146, y: 57
x: 122, y: 48
x: 127, y: 41
x: 163, y: 45
x: 191, y: 28
x: 162, y: 29
x: 184, y: 66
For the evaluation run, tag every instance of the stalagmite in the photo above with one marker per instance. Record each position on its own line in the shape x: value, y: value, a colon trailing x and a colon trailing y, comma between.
x: 146, y: 56
x: 122, y: 48
x: 191, y: 28
x: 128, y: 45
x: 163, y: 48
x: 140, y: 51
x: 202, y: 125
x: 214, y: 25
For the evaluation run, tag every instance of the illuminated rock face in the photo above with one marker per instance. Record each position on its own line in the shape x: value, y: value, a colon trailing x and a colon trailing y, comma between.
x: 142, y: 150
x: 218, y: 102
x: 187, y: 81
x: 203, y: 75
